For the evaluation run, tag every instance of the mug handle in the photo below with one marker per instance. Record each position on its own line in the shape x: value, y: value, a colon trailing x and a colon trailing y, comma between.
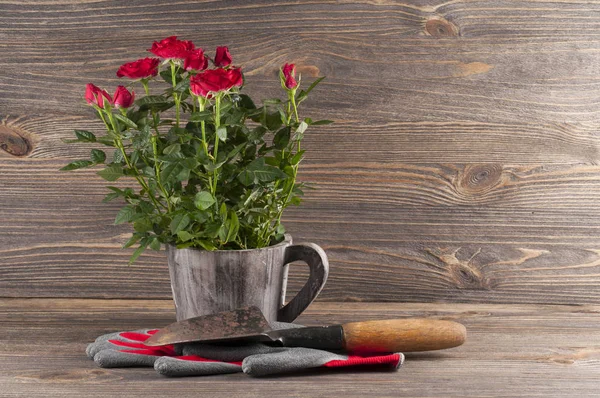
x: 315, y: 257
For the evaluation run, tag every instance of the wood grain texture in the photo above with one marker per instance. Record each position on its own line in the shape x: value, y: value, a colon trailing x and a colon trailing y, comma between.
x: 511, y: 351
x: 463, y: 164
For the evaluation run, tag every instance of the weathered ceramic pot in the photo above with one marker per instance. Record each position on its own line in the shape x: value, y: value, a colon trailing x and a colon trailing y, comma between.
x: 205, y: 282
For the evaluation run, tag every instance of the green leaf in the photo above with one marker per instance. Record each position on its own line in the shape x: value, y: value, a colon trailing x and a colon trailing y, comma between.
x: 206, y: 245
x: 222, y: 133
x: 171, y: 149
x: 233, y: 226
x: 322, y: 122
x: 151, y: 100
x: 282, y: 138
x: 246, y: 102
x: 223, y: 211
x: 131, y: 241
x: 143, y: 244
x: 235, y: 151
x: 98, y: 156
x: 166, y: 75
x: 111, y: 173
x: 86, y: 136
x: 273, y: 121
x: 110, y: 196
x: 170, y: 172
x: 272, y: 101
x: 264, y: 172
x: 179, y: 222
x: 269, y: 173
x: 201, y: 116
x: 304, y: 93
x: 182, y: 86
x: 223, y: 233
x: 78, y: 164
x: 184, y: 236
x: 204, y: 200
x: 125, y: 120
x: 296, y: 158
x: 143, y: 225
x: 155, y: 244
x: 83, y: 136
x: 246, y: 177
x: 118, y: 156
x: 106, y: 140
x: 126, y: 214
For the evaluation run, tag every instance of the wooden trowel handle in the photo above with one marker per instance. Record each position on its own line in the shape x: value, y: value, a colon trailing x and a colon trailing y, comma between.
x: 402, y: 335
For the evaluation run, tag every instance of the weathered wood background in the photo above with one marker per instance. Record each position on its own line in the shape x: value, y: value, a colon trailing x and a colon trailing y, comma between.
x: 464, y: 164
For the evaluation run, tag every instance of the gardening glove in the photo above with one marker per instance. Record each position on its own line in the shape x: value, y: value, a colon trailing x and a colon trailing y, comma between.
x: 127, y: 349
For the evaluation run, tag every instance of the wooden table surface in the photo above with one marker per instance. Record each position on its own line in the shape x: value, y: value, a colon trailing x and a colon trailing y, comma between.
x: 516, y: 351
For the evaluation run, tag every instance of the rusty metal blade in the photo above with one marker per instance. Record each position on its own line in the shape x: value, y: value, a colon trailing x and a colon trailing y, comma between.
x: 229, y: 325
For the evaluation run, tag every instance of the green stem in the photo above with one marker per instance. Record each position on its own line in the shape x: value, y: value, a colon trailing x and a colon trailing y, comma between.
x: 100, y: 112
x: 119, y: 143
x: 217, y: 113
x: 201, y: 107
x: 292, y: 97
x: 157, y: 171
x: 175, y: 95
x: 145, y: 84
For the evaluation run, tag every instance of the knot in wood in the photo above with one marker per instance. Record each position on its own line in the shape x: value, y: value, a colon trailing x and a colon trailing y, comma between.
x: 440, y: 28
x: 14, y: 142
x: 462, y: 272
x: 478, y: 179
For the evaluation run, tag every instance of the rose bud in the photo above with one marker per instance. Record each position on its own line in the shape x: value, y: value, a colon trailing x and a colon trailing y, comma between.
x: 96, y: 96
x: 215, y: 80
x: 195, y: 60
x: 171, y: 48
x: 142, y: 68
x: 222, y: 58
x: 288, y: 71
x: 123, y: 98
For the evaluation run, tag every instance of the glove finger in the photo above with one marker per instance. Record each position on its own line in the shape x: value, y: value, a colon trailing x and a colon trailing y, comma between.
x: 118, y: 359
x: 294, y: 359
x: 288, y: 360
x: 176, y: 367
x: 117, y: 335
x: 229, y: 353
x: 115, y: 345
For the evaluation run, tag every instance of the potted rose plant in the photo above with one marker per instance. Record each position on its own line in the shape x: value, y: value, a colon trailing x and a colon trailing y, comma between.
x: 214, y: 172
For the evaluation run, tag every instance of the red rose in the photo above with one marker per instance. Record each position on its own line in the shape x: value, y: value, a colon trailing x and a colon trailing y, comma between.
x: 195, y: 60
x: 222, y: 58
x: 139, y: 69
x: 288, y: 71
x: 123, y: 98
x: 171, y: 48
x: 215, y: 80
x: 96, y: 96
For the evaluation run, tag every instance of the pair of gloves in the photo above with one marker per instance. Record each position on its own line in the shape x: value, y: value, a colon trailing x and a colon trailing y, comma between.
x: 127, y: 349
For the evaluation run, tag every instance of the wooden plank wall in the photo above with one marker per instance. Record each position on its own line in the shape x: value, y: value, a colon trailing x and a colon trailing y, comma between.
x: 464, y: 164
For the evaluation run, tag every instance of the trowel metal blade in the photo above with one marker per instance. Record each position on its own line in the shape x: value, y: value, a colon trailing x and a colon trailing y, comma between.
x: 243, y: 323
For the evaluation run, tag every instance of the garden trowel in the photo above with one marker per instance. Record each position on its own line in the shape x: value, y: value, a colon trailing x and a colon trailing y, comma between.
x: 248, y: 325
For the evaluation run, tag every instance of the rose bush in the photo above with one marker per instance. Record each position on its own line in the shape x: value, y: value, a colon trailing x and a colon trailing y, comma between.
x: 213, y: 169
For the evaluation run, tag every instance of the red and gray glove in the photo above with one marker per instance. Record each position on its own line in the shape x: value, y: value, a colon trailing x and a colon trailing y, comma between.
x: 127, y: 349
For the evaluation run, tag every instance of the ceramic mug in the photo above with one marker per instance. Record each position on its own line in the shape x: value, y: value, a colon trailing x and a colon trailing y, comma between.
x: 204, y: 282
